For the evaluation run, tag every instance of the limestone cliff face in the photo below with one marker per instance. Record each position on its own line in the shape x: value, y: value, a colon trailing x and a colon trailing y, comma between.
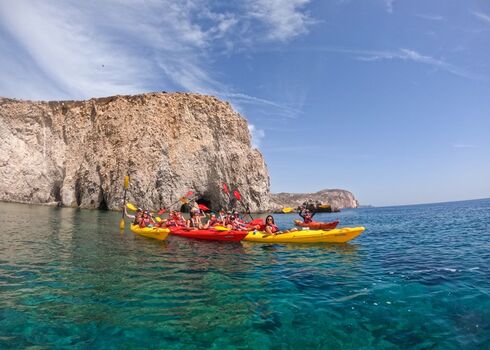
x: 77, y: 152
x: 338, y: 199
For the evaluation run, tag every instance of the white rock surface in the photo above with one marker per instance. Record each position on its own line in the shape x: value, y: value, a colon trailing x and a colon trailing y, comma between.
x: 77, y: 152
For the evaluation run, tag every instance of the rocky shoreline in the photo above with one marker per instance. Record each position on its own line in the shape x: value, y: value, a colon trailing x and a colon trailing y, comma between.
x: 76, y: 153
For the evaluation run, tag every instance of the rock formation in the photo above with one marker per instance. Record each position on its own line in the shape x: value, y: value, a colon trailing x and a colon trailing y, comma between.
x: 77, y: 152
x: 338, y: 199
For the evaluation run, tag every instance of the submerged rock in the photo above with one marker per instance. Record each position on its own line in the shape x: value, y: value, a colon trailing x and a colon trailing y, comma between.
x: 78, y: 152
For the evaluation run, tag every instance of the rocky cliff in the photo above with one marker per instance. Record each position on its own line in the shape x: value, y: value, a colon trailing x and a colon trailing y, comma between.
x: 338, y: 199
x: 77, y: 152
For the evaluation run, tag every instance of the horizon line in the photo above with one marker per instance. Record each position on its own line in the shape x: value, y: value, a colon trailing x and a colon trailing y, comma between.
x: 414, y: 204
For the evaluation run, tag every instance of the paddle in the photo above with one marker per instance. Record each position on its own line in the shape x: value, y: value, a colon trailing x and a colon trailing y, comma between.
x: 227, y: 191
x: 221, y: 228
x: 183, y: 200
x: 287, y: 210
x: 238, y: 197
x: 131, y: 207
x: 258, y: 221
x: 203, y: 207
x: 126, y: 186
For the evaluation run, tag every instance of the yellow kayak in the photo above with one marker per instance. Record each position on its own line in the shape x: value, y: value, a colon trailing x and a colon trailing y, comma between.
x: 151, y: 232
x: 339, y: 235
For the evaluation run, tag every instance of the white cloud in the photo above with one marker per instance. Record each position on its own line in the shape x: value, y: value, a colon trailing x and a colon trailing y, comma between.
x: 389, y: 5
x: 410, y: 55
x: 283, y: 18
x: 257, y: 135
x: 431, y: 17
x: 53, y: 50
x: 404, y: 55
x: 292, y: 149
x: 482, y: 16
x: 464, y: 145
x: 65, y: 54
x: 284, y: 110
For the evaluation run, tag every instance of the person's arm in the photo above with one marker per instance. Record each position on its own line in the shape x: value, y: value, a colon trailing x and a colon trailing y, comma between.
x: 206, y: 225
x: 128, y: 215
x: 268, y: 229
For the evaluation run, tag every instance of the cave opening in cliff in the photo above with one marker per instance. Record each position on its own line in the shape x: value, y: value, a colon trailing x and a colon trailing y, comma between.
x: 78, y: 192
x: 184, y: 208
x: 200, y: 200
x: 204, y: 201
x: 56, y: 191
x: 103, y: 203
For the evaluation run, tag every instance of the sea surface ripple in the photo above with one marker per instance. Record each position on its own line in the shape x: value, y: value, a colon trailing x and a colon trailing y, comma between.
x: 418, y: 278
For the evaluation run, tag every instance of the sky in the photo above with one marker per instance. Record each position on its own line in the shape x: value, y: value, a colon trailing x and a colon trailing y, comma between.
x: 389, y: 99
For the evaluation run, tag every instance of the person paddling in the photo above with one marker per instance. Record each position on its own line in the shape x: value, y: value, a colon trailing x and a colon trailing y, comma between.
x: 270, y: 226
x: 194, y: 223
x: 179, y: 219
x: 136, y: 218
x: 237, y: 223
x: 146, y: 220
x: 307, y: 215
x: 272, y: 229
x: 213, y: 221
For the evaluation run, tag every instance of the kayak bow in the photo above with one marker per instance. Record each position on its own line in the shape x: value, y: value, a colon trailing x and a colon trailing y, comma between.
x: 340, y: 235
x: 151, y: 232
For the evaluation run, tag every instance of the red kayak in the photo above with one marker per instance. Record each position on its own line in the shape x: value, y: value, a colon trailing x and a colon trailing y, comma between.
x: 314, y: 225
x: 210, y: 234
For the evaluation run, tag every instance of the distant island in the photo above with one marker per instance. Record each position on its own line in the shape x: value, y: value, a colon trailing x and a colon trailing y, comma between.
x: 327, y: 200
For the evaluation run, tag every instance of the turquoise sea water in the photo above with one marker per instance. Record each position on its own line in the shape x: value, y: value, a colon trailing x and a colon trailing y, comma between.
x: 418, y: 278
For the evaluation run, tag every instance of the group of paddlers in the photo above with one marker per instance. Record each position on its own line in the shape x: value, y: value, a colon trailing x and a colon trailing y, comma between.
x: 198, y: 220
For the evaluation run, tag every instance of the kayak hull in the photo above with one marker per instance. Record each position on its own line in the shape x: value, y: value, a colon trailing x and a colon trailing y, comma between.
x: 318, y: 225
x: 211, y: 234
x: 158, y: 233
x: 340, y: 235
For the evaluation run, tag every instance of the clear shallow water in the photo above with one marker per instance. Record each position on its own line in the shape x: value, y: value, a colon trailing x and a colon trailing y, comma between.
x: 418, y: 278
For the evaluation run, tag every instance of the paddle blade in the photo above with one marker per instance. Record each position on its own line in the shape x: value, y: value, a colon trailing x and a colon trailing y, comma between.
x: 158, y: 219
x: 131, y: 206
x: 225, y: 189
x: 126, y: 182
x: 121, y: 224
x: 287, y: 210
x: 161, y: 211
x: 188, y: 194
x: 237, y: 195
x: 203, y: 207
x: 221, y: 228
x: 258, y: 221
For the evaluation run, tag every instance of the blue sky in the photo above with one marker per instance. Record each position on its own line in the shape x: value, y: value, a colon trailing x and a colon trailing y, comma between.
x: 389, y: 99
